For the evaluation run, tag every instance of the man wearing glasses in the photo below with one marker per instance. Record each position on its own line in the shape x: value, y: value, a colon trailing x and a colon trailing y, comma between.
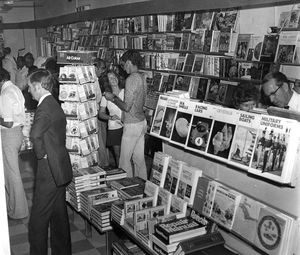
x: 278, y: 89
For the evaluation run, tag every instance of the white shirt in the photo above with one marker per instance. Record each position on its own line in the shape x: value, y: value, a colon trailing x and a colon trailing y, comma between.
x: 12, y: 104
x: 9, y: 64
x: 113, y: 110
x: 294, y: 103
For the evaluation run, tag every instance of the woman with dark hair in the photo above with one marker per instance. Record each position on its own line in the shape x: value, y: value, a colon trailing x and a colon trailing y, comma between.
x: 245, y: 97
x: 12, y: 118
x: 114, y: 115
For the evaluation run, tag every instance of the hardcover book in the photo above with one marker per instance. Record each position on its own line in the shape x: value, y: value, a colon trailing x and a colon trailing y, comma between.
x: 275, y: 147
x: 188, y: 183
x: 182, y: 122
x: 246, y: 218
x: 179, y: 229
x: 169, y: 118
x: 225, y: 205
x: 159, y: 168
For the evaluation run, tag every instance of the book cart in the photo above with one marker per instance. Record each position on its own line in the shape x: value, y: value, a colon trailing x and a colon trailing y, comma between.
x: 174, y: 59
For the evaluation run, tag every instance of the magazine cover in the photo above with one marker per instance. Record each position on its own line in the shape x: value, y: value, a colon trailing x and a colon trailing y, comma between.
x: 198, y: 64
x: 287, y: 46
x: 216, y: 91
x: 275, y: 147
x: 197, y: 40
x: 182, y: 82
x: 242, y: 46
x: 202, y: 20
x: 225, y: 20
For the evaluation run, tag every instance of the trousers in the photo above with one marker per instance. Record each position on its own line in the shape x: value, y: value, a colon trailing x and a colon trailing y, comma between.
x: 132, y: 148
x: 16, y: 201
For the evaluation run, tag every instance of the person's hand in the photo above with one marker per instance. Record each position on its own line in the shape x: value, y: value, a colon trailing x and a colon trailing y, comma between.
x: 114, y: 117
x: 109, y: 96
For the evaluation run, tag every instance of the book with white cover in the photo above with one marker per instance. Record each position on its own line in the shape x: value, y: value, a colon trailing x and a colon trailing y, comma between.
x: 159, y: 168
x: 209, y: 198
x: 242, y: 149
x: 188, y: 183
x: 276, y: 148
x: 164, y: 198
x: 178, y: 207
x: 173, y: 175
x: 151, y: 190
x: 225, y: 205
x: 159, y: 114
x: 246, y: 218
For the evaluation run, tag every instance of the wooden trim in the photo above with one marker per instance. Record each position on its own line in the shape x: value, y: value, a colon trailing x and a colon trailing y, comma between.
x: 145, y: 8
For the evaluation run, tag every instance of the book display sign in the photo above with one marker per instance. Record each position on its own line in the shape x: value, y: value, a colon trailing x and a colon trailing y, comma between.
x: 263, y: 145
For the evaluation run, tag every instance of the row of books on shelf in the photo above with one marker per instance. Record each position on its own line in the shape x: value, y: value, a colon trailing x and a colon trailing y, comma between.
x: 77, y: 74
x: 154, y: 221
x: 187, y: 21
x: 260, y: 144
x: 283, y: 47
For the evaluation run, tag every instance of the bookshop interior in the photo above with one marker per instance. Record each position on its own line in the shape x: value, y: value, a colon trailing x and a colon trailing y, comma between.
x: 161, y: 127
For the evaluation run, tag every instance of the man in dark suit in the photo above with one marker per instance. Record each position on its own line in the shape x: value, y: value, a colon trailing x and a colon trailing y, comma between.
x: 54, y: 171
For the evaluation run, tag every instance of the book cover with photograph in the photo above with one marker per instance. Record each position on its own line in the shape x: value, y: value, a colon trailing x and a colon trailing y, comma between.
x: 197, y: 40
x: 182, y: 82
x: 275, y: 147
x: 198, y: 64
x: 221, y: 138
x: 294, y: 19
x: 173, y: 175
x: 198, y: 88
x: 182, y: 122
x: 169, y: 117
x: 202, y: 20
x: 242, y: 149
x: 269, y: 48
x: 199, y: 132
x: 246, y: 218
x: 216, y: 91
x: 225, y: 20
x: 159, y: 114
x: 225, y: 205
x: 188, y: 183
x: 242, y: 46
x: 288, y: 41
x: 224, y: 42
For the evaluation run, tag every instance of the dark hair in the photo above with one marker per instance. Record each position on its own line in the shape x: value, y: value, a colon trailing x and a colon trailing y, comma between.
x: 44, y: 77
x: 6, y: 51
x: 244, y: 92
x: 134, y: 56
x: 279, y: 77
x: 4, y: 75
x: 99, y: 62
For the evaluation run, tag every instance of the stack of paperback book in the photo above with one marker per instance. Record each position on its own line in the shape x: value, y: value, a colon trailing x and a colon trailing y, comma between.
x: 95, y: 197
x: 129, y: 187
x: 100, y: 216
x: 84, y: 179
x: 113, y: 173
x: 126, y: 247
x: 117, y: 212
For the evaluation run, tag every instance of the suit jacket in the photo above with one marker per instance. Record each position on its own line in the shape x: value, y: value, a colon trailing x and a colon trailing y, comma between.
x: 48, y: 134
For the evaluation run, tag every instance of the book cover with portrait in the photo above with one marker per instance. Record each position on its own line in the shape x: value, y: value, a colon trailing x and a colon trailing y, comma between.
x: 269, y: 48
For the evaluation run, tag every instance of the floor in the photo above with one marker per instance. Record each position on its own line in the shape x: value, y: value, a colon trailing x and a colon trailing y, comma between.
x: 18, y: 229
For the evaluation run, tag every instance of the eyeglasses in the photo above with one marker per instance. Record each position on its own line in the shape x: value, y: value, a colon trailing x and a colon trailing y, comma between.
x: 274, y: 92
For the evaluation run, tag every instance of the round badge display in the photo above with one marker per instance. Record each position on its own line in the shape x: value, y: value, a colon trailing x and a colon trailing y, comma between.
x: 269, y: 232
